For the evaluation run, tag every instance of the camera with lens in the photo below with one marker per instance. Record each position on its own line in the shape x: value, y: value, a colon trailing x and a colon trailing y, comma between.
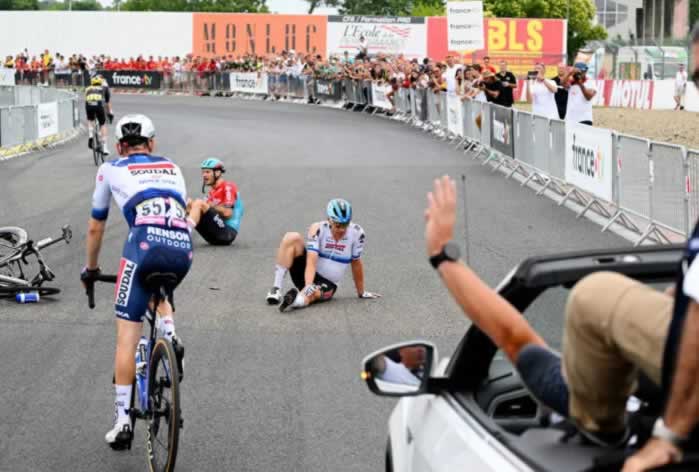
x: 577, y: 77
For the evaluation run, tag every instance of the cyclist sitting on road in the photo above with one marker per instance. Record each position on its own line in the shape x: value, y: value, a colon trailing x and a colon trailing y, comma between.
x: 95, y: 98
x: 108, y: 98
x: 318, y: 266
x: 217, y: 219
x: 151, y: 193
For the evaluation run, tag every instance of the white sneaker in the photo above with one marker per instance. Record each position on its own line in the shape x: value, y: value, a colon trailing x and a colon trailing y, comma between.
x: 274, y: 296
x: 120, y: 436
x: 106, y: 152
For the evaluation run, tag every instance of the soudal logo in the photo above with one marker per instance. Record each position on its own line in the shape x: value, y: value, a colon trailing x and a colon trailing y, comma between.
x: 587, y: 160
x: 632, y: 94
x: 152, y: 169
x: 131, y: 79
x: 127, y: 269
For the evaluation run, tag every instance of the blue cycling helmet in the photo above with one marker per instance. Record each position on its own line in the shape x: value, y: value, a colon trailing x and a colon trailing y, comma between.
x: 213, y: 164
x: 339, y: 211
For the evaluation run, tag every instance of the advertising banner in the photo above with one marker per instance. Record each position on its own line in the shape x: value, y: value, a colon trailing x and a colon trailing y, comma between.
x: 520, y: 41
x: 47, y: 117
x: 384, y: 34
x: 464, y: 26
x: 7, y: 76
x: 328, y: 89
x: 629, y: 94
x: 249, y: 82
x: 219, y: 34
x: 378, y: 96
x: 132, y: 79
x: 455, y: 122
x: 588, y: 159
x: 501, y: 133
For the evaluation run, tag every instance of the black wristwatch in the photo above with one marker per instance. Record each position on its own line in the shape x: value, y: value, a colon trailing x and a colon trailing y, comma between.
x: 450, y: 252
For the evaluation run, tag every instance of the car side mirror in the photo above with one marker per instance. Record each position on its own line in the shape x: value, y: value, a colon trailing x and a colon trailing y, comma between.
x: 400, y: 370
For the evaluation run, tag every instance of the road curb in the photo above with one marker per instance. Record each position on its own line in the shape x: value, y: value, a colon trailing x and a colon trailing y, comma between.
x: 40, y: 144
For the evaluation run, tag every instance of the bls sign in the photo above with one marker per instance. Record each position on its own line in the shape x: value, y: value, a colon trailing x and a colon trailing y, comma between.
x: 224, y: 34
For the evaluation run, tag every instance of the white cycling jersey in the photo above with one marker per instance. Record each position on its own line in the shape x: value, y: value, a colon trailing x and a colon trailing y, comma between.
x: 149, y: 190
x: 335, y: 256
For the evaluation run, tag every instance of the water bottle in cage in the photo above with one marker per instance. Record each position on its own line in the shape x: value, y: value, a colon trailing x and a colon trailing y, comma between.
x: 141, y: 356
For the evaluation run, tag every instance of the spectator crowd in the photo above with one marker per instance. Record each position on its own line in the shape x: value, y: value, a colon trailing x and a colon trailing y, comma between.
x: 569, y: 92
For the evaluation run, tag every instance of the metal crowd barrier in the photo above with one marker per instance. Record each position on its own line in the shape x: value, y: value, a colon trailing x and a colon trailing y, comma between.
x: 28, y: 114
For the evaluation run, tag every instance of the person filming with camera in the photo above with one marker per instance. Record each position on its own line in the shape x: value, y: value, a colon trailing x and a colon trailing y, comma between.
x: 581, y: 91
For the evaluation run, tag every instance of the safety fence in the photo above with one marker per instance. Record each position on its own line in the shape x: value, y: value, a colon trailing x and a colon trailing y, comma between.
x: 649, y: 188
x: 35, y: 115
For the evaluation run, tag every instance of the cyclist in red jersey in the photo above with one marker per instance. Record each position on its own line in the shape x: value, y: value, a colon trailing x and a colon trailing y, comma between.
x: 217, y: 219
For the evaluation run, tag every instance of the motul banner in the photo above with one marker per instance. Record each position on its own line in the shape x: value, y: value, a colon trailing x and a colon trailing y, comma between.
x: 637, y: 94
x: 132, y: 79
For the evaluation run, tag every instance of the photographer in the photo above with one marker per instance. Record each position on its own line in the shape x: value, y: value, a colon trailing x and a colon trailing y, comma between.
x: 581, y: 91
x: 541, y: 93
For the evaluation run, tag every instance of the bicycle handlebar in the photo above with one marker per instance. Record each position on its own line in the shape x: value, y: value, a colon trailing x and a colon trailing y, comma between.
x: 90, y: 288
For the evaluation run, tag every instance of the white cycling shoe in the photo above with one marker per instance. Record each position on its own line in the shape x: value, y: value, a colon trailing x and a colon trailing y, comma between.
x: 274, y: 296
x: 119, y: 437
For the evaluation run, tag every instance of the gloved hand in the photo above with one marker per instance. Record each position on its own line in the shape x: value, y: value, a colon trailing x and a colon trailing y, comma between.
x: 88, y: 277
x: 110, y: 117
x: 369, y: 295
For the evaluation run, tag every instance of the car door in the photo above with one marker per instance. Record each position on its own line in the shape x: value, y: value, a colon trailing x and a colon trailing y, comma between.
x: 432, y: 433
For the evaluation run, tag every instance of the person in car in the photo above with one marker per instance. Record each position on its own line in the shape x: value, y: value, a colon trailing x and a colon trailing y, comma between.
x: 615, y: 328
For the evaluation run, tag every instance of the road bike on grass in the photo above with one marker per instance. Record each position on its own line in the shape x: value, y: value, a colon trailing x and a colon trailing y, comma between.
x: 157, y: 381
x: 15, y: 250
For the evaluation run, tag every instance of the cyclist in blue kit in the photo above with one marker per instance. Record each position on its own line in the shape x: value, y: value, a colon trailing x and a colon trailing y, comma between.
x: 151, y: 193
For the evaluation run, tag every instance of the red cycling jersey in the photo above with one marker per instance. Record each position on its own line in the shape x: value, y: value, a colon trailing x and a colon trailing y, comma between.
x: 225, y: 193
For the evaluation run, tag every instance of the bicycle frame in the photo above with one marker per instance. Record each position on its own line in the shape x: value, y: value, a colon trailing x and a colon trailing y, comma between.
x: 19, y: 257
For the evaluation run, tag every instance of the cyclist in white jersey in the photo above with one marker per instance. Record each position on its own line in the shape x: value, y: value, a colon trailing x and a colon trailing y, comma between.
x: 151, y: 193
x: 318, y: 266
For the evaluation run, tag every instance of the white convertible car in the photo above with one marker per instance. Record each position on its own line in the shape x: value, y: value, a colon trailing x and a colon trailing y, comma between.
x: 472, y: 413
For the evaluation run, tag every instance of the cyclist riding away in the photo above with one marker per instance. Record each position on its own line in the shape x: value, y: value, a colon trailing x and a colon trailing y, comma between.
x: 318, y: 266
x: 151, y: 193
x: 95, y: 98
x: 217, y: 219
x: 108, y: 98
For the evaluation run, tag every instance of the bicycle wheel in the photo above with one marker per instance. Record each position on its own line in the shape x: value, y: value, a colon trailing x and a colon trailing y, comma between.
x: 164, y: 405
x: 96, y: 148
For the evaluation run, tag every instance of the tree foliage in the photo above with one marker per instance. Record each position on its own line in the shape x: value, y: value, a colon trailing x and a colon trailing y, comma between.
x: 313, y: 4
x: 242, y: 6
x: 19, y: 4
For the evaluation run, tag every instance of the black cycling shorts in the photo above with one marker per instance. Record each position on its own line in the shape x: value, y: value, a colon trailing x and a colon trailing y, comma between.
x: 298, y: 276
x: 214, y: 230
x: 96, y: 112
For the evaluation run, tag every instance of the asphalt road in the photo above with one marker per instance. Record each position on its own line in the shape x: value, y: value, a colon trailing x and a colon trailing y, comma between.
x: 263, y: 391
